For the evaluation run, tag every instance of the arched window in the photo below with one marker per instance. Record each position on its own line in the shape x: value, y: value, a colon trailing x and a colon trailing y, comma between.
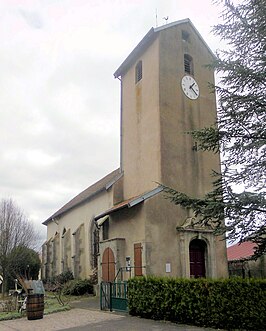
x: 95, y: 247
x: 138, y: 72
x: 188, y: 64
x: 197, y: 254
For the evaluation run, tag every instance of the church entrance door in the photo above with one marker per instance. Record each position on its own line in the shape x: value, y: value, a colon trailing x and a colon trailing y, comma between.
x: 197, y: 252
x: 108, y: 265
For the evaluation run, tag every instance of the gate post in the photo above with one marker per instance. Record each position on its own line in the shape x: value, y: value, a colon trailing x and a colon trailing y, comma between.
x: 111, y: 293
x: 101, y: 295
x: 105, y: 297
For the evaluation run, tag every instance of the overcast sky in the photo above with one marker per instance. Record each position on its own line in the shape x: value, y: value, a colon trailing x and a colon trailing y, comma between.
x: 59, y: 120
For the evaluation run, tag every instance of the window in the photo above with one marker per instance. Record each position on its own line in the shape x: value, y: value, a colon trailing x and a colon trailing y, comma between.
x: 185, y: 36
x: 138, y: 72
x: 188, y: 64
x: 95, y: 252
x: 106, y: 230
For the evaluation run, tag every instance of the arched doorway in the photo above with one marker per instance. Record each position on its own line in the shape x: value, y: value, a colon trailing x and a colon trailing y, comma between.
x: 108, y: 265
x: 197, y: 253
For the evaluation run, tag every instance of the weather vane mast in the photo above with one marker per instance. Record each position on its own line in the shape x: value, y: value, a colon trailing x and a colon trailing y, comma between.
x: 166, y: 19
x: 156, y: 18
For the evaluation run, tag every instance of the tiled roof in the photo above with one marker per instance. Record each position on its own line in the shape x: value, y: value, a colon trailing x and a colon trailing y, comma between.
x: 102, y: 184
x: 241, y: 251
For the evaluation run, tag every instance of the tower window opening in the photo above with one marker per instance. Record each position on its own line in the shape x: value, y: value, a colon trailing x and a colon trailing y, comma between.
x: 185, y: 36
x: 138, y: 72
x: 188, y: 64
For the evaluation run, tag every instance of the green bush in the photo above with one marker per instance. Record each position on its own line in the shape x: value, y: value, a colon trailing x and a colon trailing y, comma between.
x: 56, y: 283
x: 64, y: 277
x: 228, y: 304
x: 78, y: 287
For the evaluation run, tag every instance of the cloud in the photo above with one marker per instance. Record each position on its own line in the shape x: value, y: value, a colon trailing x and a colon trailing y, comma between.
x: 59, y: 101
x: 33, y: 19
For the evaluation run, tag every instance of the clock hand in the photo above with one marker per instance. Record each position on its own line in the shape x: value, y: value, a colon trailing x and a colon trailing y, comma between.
x: 193, y: 90
x: 191, y: 85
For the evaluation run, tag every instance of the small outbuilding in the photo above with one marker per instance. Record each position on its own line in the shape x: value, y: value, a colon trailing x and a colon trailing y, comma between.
x: 241, y: 261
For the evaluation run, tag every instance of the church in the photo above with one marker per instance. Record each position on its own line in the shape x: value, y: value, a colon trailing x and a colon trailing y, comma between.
x: 123, y: 226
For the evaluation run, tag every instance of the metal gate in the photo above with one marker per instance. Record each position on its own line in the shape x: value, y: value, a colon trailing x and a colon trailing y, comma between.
x: 105, y: 295
x: 113, y: 296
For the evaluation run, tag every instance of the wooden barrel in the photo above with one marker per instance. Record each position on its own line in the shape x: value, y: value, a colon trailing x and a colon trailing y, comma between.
x: 35, y: 306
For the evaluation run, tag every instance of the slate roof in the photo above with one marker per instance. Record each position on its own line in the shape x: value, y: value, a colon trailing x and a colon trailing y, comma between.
x: 102, y: 185
x: 240, y: 251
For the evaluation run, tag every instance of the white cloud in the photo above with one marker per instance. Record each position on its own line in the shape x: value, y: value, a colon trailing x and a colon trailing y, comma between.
x: 32, y: 18
x: 59, y: 102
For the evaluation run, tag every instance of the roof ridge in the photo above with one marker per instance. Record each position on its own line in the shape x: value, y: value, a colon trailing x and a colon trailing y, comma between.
x: 149, y: 37
x: 102, y: 184
x: 241, y: 250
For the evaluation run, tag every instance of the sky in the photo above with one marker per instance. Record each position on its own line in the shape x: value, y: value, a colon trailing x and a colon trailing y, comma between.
x: 59, y: 101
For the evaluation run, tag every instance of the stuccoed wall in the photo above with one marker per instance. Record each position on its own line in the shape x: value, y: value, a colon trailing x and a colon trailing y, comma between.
x: 71, y: 222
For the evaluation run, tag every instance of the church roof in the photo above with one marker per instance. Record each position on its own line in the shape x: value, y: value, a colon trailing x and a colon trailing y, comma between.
x: 129, y: 203
x: 102, y: 185
x: 148, y: 39
x: 241, y: 250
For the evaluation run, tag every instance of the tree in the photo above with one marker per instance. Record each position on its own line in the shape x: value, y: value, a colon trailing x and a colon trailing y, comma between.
x: 15, y: 230
x: 23, y: 262
x: 238, y: 194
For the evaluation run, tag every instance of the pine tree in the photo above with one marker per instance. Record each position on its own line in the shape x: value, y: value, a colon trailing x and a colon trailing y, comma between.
x: 237, y: 204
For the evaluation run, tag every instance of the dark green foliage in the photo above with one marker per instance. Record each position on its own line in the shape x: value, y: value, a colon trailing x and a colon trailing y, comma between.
x: 22, y: 261
x: 15, y: 231
x: 64, y: 277
x: 226, y: 304
x: 239, y: 133
x: 78, y: 287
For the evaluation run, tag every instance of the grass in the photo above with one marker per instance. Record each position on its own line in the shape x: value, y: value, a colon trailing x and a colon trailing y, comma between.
x: 51, y: 305
x: 10, y: 315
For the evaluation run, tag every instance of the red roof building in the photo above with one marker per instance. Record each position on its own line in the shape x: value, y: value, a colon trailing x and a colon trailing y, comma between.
x: 241, y: 251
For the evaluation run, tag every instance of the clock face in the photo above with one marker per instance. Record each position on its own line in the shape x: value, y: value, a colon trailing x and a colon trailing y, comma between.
x: 190, y: 87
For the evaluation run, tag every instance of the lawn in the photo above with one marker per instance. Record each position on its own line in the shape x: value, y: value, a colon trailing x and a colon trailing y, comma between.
x: 51, y: 305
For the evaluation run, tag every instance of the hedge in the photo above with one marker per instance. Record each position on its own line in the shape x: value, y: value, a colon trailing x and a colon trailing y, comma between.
x: 78, y: 287
x: 227, y: 304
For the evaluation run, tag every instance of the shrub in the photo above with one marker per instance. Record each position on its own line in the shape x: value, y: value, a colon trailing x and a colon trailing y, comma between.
x: 78, y: 287
x: 56, y: 283
x: 228, y: 304
x: 64, y: 277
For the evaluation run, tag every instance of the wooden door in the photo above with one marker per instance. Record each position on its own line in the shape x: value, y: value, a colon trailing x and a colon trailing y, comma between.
x: 197, y: 249
x: 108, y: 265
